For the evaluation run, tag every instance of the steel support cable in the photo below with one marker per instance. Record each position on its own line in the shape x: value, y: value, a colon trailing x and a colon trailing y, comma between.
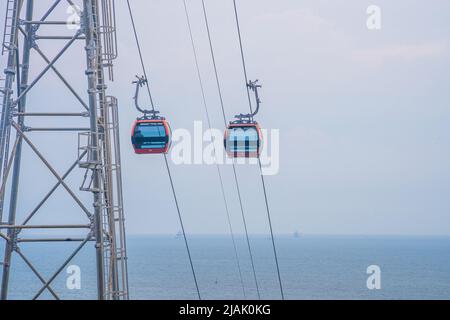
x: 182, y: 226
x: 238, y: 26
x: 234, y: 167
x: 165, y: 156
x: 140, y: 53
x: 259, y: 160
x: 194, y: 51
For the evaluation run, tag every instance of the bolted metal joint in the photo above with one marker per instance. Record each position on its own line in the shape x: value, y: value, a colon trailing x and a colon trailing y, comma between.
x: 33, y: 37
x: 9, y: 71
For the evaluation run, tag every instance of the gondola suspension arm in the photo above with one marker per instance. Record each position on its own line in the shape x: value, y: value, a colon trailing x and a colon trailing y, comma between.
x: 140, y: 82
x: 253, y: 86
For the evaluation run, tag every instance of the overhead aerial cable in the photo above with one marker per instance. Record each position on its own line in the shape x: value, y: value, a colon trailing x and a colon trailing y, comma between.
x: 160, y: 125
x: 219, y: 89
x: 249, y: 87
x: 194, y: 51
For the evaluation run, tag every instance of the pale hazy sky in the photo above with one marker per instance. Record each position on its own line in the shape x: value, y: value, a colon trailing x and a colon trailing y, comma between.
x: 363, y: 115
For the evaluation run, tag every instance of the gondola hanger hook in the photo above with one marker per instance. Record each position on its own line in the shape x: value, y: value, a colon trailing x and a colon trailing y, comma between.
x: 148, y: 114
x: 248, y: 118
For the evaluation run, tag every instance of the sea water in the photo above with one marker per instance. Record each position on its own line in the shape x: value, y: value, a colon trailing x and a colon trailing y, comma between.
x: 312, y: 267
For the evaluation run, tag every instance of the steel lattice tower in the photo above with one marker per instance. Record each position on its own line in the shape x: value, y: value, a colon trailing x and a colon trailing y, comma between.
x: 97, y: 166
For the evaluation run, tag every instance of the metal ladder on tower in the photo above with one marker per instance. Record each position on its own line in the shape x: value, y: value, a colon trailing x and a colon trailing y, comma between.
x: 107, y: 30
x: 113, y: 242
x: 8, y: 35
x: 10, y: 12
x: 115, y: 211
x: 112, y: 173
x: 2, y: 97
x: 113, y: 218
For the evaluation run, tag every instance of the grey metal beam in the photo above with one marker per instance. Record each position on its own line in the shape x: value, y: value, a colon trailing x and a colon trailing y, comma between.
x: 58, y: 38
x: 48, y: 195
x: 62, y: 267
x: 51, y: 114
x: 10, y: 75
x: 52, y: 170
x: 8, y: 169
x: 38, y: 275
x: 57, y: 129
x: 70, y: 2
x: 50, y: 10
x: 68, y: 226
x: 21, y: 102
x: 32, y: 240
x: 4, y: 237
x: 61, y: 77
x: 44, y: 22
x: 48, y: 67
x: 92, y: 62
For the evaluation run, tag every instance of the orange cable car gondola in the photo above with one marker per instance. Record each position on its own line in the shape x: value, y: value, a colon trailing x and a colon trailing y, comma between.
x: 150, y: 136
x: 150, y: 133
x: 243, y: 136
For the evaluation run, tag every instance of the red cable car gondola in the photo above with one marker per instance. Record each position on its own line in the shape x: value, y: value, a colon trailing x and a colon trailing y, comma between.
x: 151, y: 133
x: 243, y: 137
x: 151, y: 136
